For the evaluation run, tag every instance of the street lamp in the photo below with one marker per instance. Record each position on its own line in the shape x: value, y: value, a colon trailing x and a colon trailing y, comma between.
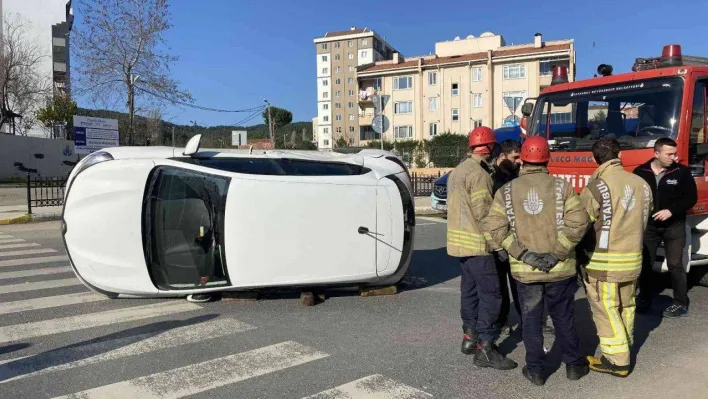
x: 270, y: 124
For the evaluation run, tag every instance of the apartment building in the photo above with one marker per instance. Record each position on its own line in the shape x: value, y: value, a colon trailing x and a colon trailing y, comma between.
x: 339, y: 54
x: 465, y: 83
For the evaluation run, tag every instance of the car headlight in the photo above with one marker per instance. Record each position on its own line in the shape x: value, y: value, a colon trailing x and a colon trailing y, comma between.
x: 90, y: 160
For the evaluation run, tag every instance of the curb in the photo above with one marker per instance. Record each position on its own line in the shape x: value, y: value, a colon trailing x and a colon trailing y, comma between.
x: 423, y: 211
x: 24, y: 219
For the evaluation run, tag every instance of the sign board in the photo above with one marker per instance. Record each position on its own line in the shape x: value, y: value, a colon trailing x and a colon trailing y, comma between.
x: 380, y: 101
x: 239, y: 137
x: 380, y: 124
x: 92, y: 134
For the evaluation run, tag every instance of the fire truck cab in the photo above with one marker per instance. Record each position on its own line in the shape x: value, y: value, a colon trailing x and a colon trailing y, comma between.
x: 664, y: 96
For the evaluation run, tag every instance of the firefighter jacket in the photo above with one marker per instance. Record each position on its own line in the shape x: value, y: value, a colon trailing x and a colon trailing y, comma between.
x: 539, y: 213
x: 618, y: 203
x: 469, y: 196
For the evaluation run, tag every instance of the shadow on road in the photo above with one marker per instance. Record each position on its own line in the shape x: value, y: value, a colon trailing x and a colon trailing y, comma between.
x: 95, y: 347
x: 14, y: 347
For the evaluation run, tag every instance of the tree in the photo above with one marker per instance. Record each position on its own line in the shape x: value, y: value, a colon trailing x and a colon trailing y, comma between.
x: 22, y: 84
x: 341, y: 142
x: 59, y: 111
x: 277, y: 117
x: 600, y: 116
x: 446, y: 150
x: 120, y: 54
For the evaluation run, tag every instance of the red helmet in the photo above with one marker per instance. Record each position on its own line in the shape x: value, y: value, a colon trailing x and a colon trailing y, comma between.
x: 481, y: 136
x: 535, y: 150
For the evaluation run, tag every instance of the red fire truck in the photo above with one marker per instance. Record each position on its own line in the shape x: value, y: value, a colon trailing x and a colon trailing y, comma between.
x: 664, y: 96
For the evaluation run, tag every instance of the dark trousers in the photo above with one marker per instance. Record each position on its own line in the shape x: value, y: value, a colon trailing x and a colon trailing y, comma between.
x: 506, y: 281
x: 480, y: 296
x: 560, y: 298
x: 674, y: 237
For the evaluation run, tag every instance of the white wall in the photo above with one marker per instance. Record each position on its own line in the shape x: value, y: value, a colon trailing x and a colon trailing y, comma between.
x: 23, y: 149
x: 39, y: 15
x: 366, y: 56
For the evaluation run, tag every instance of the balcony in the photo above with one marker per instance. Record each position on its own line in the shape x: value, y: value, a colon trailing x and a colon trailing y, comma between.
x: 366, y: 97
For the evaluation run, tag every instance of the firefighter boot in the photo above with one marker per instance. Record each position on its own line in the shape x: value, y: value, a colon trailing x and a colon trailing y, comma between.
x: 602, y: 365
x: 535, y: 378
x: 469, y: 341
x: 575, y: 372
x: 488, y: 356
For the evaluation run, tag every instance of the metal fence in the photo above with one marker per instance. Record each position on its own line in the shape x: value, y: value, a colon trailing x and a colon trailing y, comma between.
x: 423, y: 185
x: 44, y: 191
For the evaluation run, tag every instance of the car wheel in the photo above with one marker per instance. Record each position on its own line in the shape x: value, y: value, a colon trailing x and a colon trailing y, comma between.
x: 700, y: 276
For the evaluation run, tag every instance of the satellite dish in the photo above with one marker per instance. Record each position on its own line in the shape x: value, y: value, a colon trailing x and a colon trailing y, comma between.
x: 470, y: 36
x: 457, y: 38
x: 486, y: 34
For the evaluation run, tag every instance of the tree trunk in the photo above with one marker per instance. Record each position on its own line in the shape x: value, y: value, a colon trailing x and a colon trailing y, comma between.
x: 131, y: 112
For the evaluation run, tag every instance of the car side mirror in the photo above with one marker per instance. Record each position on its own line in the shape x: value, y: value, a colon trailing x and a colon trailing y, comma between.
x: 192, y: 145
x: 527, y: 109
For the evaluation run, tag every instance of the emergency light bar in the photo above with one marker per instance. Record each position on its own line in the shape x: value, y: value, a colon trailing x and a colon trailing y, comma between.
x: 560, y: 75
x: 670, y: 56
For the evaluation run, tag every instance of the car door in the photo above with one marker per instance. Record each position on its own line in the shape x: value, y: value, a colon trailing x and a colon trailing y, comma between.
x: 314, y: 223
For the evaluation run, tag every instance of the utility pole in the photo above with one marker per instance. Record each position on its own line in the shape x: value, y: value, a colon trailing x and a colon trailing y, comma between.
x: 173, y: 137
x: 270, y: 125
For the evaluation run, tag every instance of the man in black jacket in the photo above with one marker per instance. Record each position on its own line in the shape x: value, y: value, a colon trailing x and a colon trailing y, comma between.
x: 675, y: 193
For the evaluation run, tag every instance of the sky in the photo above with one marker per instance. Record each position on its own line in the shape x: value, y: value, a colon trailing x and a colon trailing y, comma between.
x: 234, y: 53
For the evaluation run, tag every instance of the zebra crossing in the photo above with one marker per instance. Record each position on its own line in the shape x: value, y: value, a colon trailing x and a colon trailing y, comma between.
x: 157, y: 326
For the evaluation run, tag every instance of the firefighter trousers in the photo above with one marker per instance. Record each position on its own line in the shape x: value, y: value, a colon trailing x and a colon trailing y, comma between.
x: 480, y: 296
x: 613, y: 306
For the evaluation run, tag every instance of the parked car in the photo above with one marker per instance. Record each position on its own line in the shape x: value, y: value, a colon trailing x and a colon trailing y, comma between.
x: 438, y: 198
x: 161, y: 221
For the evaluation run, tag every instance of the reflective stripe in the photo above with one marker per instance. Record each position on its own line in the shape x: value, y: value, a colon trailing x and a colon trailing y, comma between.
x: 571, y: 203
x: 496, y: 208
x: 564, y: 241
x: 465, y: 235
x: 507, y: 242
x: 479, y: 194
x: 618, y: 342
x: 521, y: 267
x: 466, y: 240
x: 615, y: 262
x: 592, y: 218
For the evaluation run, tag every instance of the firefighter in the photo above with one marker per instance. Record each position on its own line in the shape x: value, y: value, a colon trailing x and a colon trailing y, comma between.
x: 618, y: 203
x: 538, y: 220
x: 469, y: 197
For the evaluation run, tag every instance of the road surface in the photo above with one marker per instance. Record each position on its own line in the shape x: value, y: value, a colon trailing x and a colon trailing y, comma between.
x: 58, y: 339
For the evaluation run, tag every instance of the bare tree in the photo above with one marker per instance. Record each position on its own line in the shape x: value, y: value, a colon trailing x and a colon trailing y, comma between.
x: 22, y: 84
x: 120, y: 52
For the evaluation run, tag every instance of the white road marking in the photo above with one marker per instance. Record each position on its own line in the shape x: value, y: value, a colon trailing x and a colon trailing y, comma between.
x: 90, y: 320
x: 46, y: 302
x: 23, y: 245
x: 450, y: 290
x: 196, y: 378
x: 40, y: 285
x: 10, y: 240
x: 4, y: 235
x: 28, y: 252
x: 80, y: 356
x: 372, y: 387
x: 35, y: 272
x: 33, y: 261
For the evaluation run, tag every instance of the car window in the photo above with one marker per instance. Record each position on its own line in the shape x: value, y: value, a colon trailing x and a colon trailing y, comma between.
x: 252, y: 166
x: 300, y: 167
x: 279, y: 166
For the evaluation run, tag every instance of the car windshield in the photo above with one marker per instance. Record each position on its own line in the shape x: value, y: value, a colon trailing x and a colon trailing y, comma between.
x: 636, y: 113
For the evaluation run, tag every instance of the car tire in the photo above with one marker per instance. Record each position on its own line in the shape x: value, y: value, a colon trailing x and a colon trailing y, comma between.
x: 701, y: 276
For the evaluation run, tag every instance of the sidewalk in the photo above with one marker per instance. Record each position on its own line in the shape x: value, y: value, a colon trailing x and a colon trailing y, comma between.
x: 422, y: 207
x: 13, y: 214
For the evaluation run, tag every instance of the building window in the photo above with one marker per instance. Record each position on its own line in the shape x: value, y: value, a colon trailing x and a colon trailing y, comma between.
x: 351, y: 104
x: 338, y: 117
x: 476, y: 74
x: 325, y: 94
x: 432, y: 78
x: 351, y: 43
x: 432, y: 104
x: 336, y: 45
x: 325, y: 142
x: 403, y: 132
x: 402, y: 83
x: 403, y: 107
x: 351, y: 93
x: 324, y: 58
x: 364, y: 54
x: 350, y: 80
x: 325, y: 130
x: 325, y: 106
x: 324, y: 46
x: 455, y: 114
x: 325, y: 82
x: 455, y: 89
x: 338, y: 81
x: 477, y: 122
x: 351, y: 117
x: 336, y: 69
x: 545, y: 68
x: 325, y: 119
x: 364, y: 42
x: 336, y: 57
x: 377, y: 84
x: 351, y: 129
x: 351, y: 68
x: 338, y: 93
x: 515, y: 71
x: 325, y: 71
x: 337, y: 105
x: 351, y: 56
x: 433, y: 128
x: 477, y: 100
x: 339, y: 130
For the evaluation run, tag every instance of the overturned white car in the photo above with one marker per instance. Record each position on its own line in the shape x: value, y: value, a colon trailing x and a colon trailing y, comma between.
x: 161, y: 221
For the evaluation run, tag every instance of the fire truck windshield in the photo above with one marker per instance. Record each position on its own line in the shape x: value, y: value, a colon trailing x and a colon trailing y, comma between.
x: 636, y: 113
